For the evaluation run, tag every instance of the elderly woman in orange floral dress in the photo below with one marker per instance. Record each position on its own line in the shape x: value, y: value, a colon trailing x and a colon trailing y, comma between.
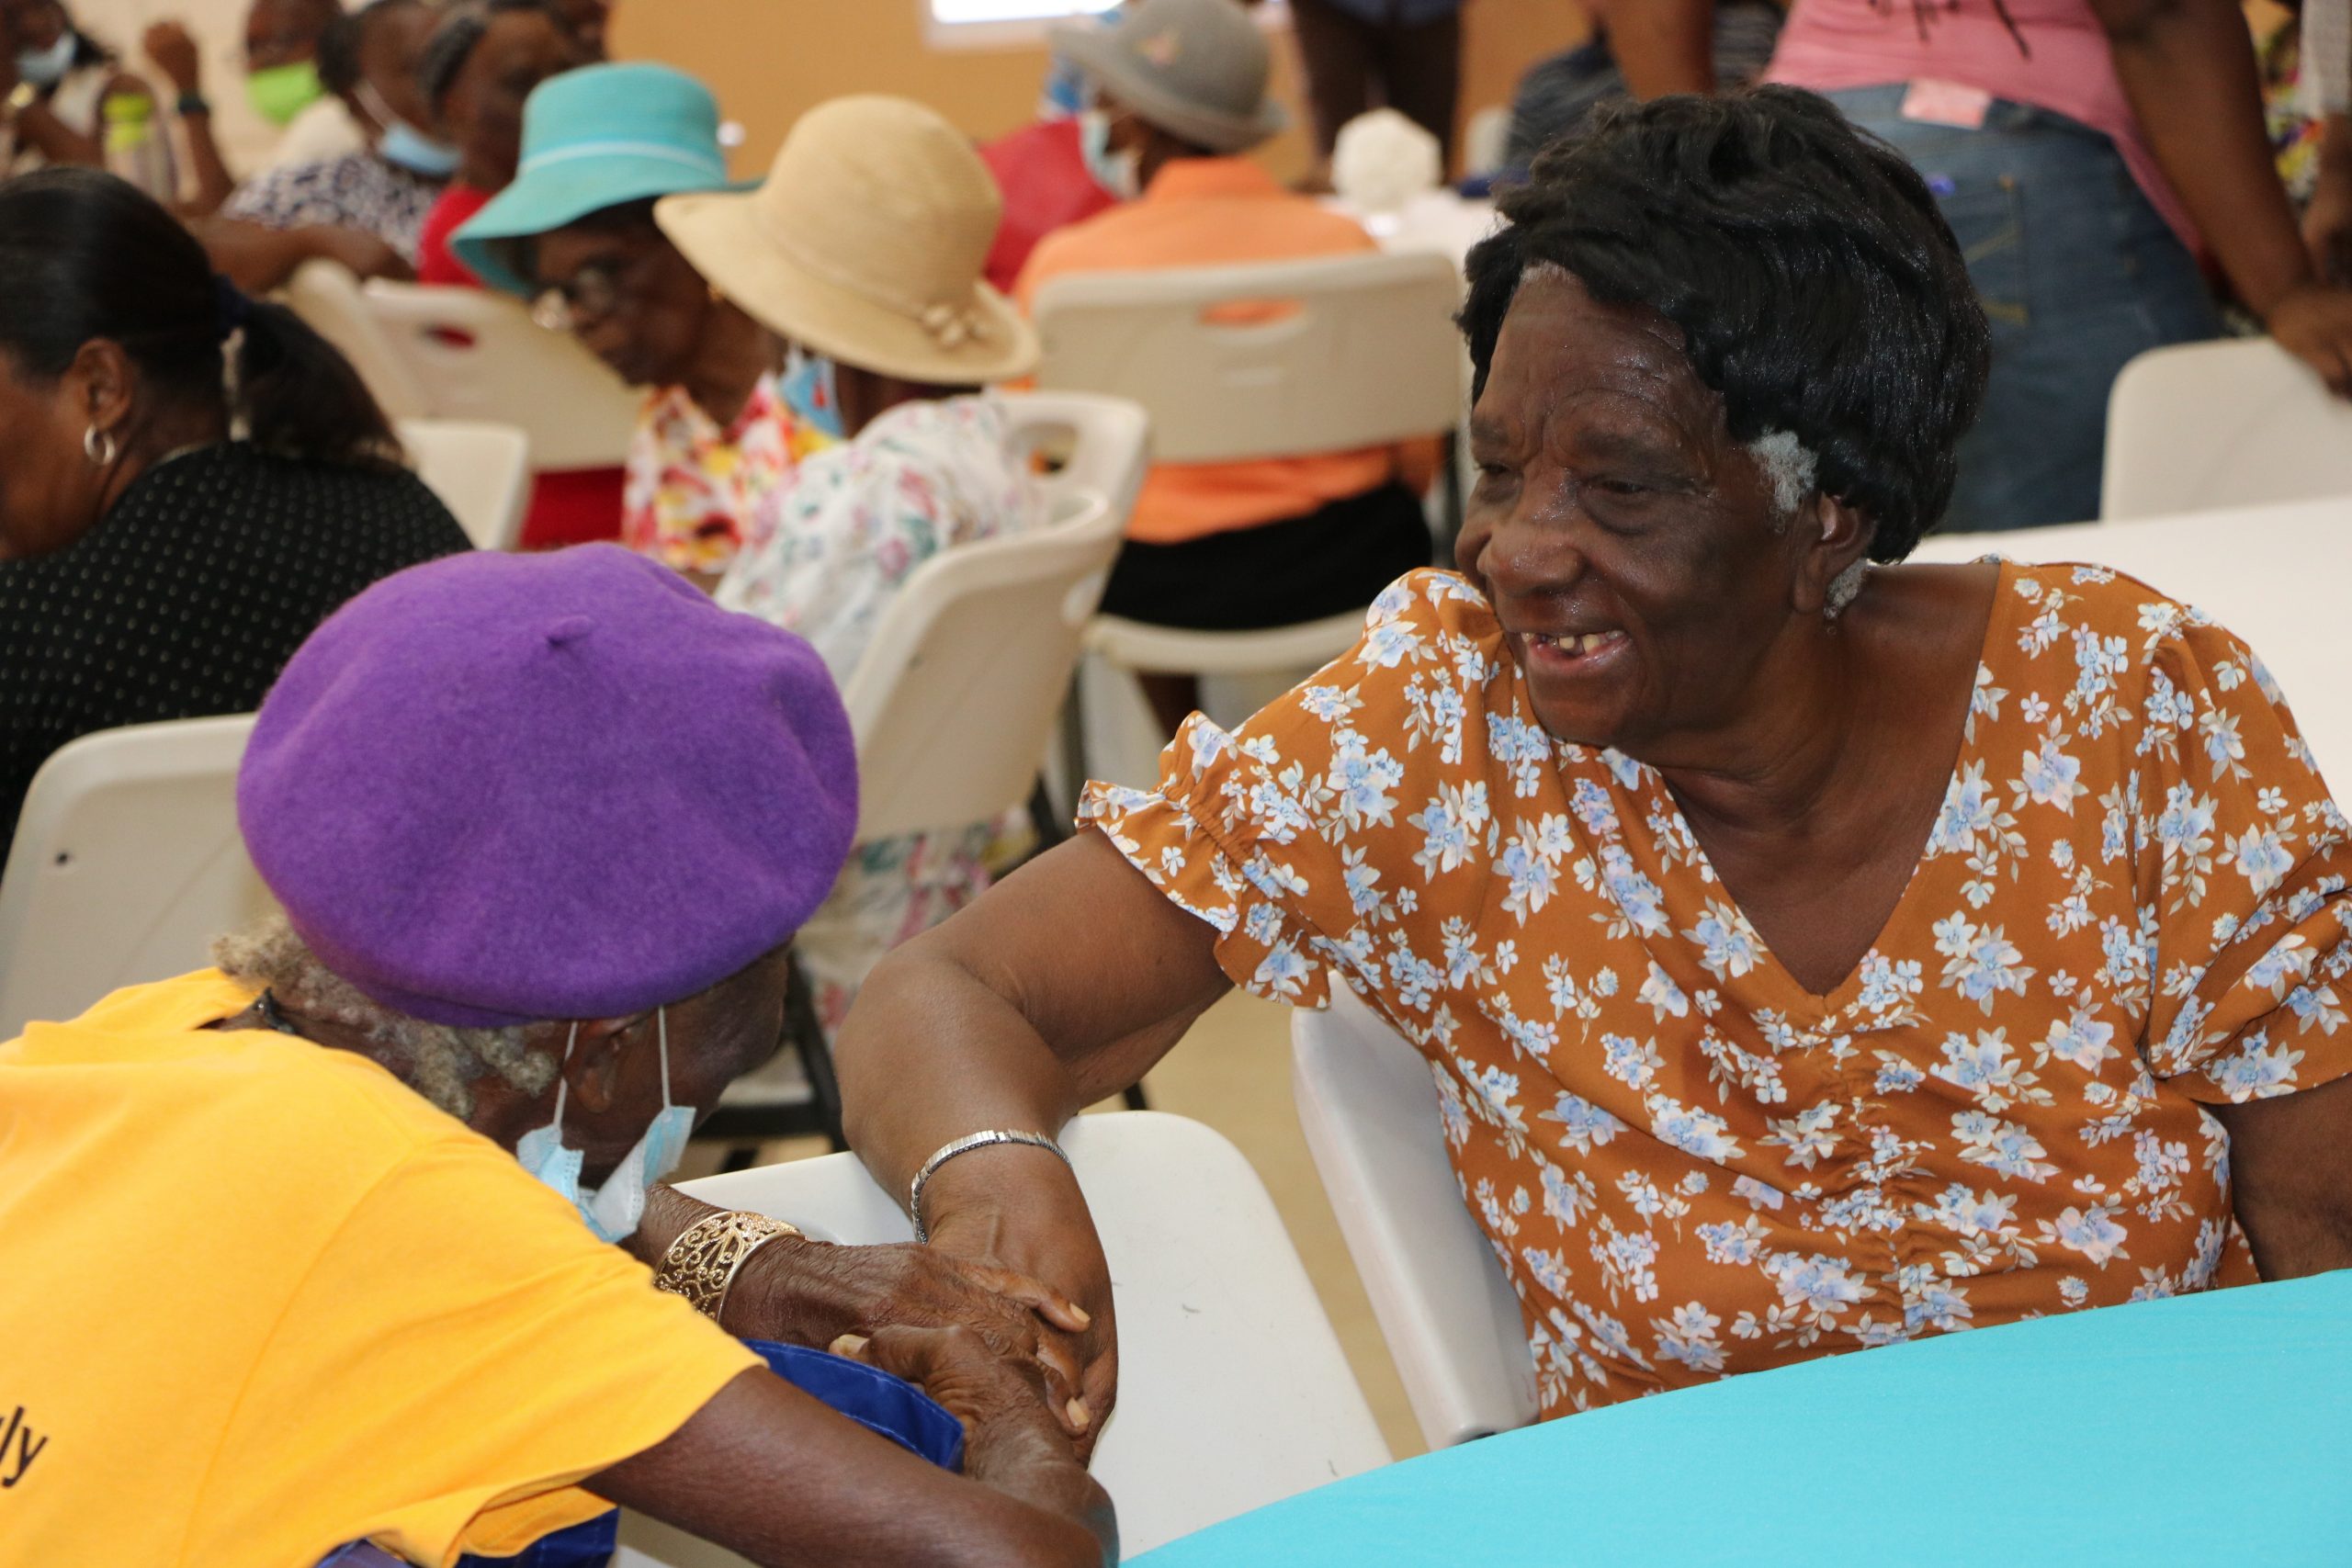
x: 1812, y: 951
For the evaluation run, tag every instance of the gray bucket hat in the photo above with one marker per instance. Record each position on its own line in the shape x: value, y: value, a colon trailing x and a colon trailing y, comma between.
x: 1194, y: 68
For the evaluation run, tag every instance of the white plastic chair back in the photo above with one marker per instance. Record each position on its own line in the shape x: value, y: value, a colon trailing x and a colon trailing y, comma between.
x: 482, y: 359
x: 1233, y: 1390
x: 953, y: 703
x: 481, y: 473
x: 327, y: 297
x: 1370, y: 1111
x: 2205, y: 425
x: 126, y: 864
x: 1363, y: 351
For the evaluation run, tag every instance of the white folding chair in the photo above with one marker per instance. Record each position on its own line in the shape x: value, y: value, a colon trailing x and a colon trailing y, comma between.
x: 1363, y: 353
x: 325, y: 295
x: 481, y: 357
x: 1233, y: 1390
x: 2233, y: 423
x: 481, y: 473
x: 956, y: 699
x: 127, y: 863
x: 1370, y: 1113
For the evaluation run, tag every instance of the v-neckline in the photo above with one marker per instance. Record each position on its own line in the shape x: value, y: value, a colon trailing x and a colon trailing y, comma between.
x: 1791, y: 994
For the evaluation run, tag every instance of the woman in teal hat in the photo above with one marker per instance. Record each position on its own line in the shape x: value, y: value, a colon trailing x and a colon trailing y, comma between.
x: 575, y: 233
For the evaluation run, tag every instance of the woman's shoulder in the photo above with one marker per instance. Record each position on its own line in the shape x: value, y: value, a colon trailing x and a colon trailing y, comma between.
x: 2113, y: 615
x: 248, y: 488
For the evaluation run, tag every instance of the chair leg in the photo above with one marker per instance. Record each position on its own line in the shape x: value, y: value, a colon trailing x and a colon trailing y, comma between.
x: 1046, y: 816
x: 816, y: 1055
x: 1134, y: 1097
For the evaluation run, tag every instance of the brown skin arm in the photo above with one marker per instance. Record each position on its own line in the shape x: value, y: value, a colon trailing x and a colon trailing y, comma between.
x: 767, y: 1472
x: 2290, y: 1169
x: 1062, y: 985
x: 1662, y: 46
x: 258, y: 258
x: 2188, y: 68
x: 174, y: 51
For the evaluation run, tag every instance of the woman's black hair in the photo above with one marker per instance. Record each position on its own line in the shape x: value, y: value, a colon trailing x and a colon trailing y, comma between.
x: 84, y: 256
x: 1815, y: 284
x: 457, y: 35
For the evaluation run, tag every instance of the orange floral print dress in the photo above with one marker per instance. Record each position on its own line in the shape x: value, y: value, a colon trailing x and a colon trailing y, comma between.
x: 2132, y: 905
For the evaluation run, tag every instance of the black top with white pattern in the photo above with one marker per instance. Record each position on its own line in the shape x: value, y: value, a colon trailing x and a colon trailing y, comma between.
x: 188, y: 597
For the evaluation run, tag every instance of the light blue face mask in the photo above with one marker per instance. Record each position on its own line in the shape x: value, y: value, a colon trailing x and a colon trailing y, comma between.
x: 403, y: 144
x: 47, y: 67
x: 808, y: 390
x: 1118, y: 171
x: 613, y: 1210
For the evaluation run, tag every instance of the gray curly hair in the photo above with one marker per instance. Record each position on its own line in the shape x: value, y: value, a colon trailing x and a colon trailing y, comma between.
x: 443, y: 1063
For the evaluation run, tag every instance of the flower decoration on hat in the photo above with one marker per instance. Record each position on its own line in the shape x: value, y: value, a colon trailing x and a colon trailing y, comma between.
x: 1162, y: 50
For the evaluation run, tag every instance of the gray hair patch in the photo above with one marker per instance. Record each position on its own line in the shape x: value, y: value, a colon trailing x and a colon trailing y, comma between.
x: 1789, y: 468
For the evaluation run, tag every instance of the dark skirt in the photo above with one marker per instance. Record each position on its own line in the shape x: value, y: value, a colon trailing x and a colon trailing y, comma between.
x: 1336, y: 558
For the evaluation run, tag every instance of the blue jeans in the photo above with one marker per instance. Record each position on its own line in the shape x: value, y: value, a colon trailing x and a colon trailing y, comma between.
x: 2077, y: 274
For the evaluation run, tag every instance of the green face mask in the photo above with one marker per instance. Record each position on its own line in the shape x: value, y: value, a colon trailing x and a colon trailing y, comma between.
x: 282, y: 92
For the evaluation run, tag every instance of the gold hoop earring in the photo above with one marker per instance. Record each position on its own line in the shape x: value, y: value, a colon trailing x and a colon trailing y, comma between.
x: 98, y: 447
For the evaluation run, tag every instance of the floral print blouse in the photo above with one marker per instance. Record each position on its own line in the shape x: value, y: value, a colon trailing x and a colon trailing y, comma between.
x: 692, y: 486
x: 829, y: 545
x: 2131, y: 907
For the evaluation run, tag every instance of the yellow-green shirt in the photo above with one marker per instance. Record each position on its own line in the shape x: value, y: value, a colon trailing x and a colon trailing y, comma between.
x: 258, y: 1298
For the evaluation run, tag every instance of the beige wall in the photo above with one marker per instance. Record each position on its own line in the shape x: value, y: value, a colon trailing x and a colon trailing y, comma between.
x: 769, y: 60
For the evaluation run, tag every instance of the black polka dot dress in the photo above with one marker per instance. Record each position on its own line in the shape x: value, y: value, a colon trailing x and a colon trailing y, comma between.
x: 192, y: 593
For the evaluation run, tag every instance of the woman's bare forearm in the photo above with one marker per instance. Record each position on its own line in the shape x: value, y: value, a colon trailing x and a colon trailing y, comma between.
x: 1064, y: 983
x: 2188, y: 68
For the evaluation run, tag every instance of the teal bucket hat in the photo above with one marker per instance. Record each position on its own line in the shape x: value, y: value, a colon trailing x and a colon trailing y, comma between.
x: 596, y: 138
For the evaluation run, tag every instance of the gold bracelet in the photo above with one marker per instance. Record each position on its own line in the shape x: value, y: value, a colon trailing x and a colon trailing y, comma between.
x: 701, y: 1265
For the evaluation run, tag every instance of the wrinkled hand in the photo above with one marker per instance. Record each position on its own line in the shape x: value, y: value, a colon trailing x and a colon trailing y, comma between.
x: 169, y: 45
x: 1062, y: 1250
x: 2314, y: 323
x: 809, y: 1292
x: 1002, y: 1403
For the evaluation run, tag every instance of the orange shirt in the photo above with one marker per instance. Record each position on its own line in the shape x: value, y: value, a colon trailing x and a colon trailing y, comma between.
x: 2134, y: 905
x: 263, y: 1299
x: 1218, y: 212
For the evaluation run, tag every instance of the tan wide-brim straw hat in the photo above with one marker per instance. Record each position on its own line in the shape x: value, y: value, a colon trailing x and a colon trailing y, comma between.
x: 865, y: 243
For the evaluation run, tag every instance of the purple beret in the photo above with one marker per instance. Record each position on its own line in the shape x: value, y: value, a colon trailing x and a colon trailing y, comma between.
x: 496, y: 789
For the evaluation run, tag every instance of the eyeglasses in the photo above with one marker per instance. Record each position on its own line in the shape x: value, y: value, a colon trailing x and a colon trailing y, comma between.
x: 591, y: 294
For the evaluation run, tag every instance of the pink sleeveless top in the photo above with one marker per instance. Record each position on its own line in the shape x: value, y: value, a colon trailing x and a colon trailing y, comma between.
x: 1833, y: 44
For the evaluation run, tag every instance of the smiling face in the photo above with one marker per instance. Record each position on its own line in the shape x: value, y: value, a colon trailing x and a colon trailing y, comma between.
x: 1629, y: 546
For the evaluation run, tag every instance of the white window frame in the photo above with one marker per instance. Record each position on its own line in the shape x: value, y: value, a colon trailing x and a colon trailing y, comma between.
x: 1273, y: 15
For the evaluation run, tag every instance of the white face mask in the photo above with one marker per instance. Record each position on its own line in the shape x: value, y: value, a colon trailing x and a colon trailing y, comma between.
x: 1119, y: 172
x: 613, y: 1210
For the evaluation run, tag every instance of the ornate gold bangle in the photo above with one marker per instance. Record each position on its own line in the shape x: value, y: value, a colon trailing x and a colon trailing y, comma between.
x: 701, y: 1265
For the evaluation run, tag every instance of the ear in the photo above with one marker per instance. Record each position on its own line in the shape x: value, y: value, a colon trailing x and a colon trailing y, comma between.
x: 1828, y: 535
x: 102, y: 385
x: 595, y: 1068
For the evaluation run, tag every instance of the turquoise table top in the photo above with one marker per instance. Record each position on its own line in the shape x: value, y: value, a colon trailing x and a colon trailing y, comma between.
x: 2213, y: 1428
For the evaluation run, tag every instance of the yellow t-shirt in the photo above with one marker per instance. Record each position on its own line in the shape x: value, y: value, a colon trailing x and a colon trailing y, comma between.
x: 258, y: 1298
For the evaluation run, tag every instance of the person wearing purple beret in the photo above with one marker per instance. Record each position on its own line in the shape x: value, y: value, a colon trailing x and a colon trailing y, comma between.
x: 356, y: 1237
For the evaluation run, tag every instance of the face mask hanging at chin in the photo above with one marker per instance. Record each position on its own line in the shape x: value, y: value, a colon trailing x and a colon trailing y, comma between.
x: 808, y: 390
x: 613, y: 1210
x: 402, y: 143
x: 47, y: 67
x: 1119, y: 172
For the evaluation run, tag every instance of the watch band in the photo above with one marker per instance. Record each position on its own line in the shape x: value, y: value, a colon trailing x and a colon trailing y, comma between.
x: 701, y: 1265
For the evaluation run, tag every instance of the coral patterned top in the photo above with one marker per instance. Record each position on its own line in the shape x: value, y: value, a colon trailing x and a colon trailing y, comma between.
x: 2132, y: 905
